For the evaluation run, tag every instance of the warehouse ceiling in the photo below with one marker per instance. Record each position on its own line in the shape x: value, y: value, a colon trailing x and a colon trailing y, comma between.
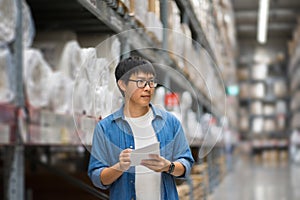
x: 282, y: 18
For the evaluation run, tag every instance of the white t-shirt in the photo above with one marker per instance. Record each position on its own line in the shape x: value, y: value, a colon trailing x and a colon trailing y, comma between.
x: 147, y: 182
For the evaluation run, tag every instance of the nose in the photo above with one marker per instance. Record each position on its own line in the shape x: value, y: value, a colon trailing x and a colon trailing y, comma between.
x: 147, y: 86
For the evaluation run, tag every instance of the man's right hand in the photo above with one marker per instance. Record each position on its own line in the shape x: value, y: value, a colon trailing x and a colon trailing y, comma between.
x: 124, y: 159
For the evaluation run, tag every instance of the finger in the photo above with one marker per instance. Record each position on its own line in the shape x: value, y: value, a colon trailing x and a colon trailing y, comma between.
x: 127, y: 151
x: 149, y: 162
x: 154, y: 156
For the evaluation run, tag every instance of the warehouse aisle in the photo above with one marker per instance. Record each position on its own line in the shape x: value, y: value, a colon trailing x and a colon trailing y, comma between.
x: 260, y: 181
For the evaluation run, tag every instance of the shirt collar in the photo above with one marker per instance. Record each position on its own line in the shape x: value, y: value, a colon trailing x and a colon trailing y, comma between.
x: 119, y: 114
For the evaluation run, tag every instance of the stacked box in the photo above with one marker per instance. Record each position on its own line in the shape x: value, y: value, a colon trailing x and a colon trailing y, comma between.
x: 183, y: 191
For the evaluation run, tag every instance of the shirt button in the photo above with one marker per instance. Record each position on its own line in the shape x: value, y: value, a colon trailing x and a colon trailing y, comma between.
x: 131, y: 181
x: 130, y: 147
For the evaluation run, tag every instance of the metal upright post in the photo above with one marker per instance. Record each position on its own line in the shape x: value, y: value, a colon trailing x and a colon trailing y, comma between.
x: 14, y: 162
x: 164, y: 20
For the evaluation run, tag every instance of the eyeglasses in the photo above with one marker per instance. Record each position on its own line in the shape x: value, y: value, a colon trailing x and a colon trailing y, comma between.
x: 143, y: 83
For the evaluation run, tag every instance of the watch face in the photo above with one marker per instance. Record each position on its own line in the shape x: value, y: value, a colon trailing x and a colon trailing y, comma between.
x: 172, y: 167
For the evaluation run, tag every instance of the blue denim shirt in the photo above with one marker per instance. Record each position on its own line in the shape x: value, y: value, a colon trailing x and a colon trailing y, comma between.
x: 113, y: 134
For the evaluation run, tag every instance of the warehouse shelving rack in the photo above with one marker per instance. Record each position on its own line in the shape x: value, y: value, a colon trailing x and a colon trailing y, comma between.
x: 102, y: 17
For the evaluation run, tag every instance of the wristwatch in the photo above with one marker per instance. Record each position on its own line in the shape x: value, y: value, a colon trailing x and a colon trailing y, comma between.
x: 171, y: 168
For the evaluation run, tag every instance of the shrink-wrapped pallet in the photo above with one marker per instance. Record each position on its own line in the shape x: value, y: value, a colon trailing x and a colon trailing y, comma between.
x: 110, y: 50
x: 6, y: 89
x: 8, y: 15
x: 83, y: 87
x: 37, y: 74
x: 8, y: 23
x: 70, y: 61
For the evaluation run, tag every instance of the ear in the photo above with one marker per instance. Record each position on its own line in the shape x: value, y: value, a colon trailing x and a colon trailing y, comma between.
x: 122, y: 85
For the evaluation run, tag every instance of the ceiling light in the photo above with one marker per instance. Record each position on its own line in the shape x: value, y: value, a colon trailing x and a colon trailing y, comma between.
x: 262, y: 24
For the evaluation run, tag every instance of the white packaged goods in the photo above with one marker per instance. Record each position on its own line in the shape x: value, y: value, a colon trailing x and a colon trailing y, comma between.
x: 28, y: 25
x: 8, y: 22
x: 257, y: 125
x: 259, y: 71
x: 110, y: 49
x: 61, y: 93
x: 83, y: 96
x: 70, y: 61
x: 8, y: 16
x: 258, y: 90
x: 102, y: 99
x: 6, y: 89
x: 88, y: 64
x: 37, y: 74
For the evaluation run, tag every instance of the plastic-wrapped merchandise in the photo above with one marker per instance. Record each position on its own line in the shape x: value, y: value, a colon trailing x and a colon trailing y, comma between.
x: 61, y: 93
x: 110, y: 49
x: 28, y: 25
x: 8, y: 23
x: 83, y: 97
x: 70, y: 60
x: 6, y: 90
x: 102, y: 94
x: 88, y: 64
x: 37, y: 74
x: 8, y: 16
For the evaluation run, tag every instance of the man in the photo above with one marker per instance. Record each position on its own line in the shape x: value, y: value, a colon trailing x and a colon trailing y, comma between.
x: 135, y: 125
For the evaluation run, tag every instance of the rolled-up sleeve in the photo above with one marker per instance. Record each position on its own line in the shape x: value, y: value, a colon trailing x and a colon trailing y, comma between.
x: 98, y: 159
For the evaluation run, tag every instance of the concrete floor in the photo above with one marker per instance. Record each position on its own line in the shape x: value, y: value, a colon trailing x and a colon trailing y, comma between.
x: 260, y: 181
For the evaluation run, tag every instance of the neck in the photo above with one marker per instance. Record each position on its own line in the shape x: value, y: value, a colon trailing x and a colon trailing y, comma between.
x: 135, y: 111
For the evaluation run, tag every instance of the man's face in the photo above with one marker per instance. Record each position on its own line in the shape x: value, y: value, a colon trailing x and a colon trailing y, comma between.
x: 139, y: 96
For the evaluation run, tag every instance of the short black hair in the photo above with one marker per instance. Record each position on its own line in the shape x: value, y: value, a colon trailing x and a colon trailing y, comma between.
x: 132, y: 65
